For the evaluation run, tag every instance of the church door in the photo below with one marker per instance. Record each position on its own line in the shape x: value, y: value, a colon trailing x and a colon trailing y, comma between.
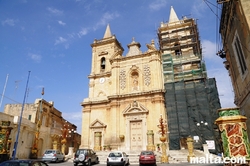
x: 136, y: 135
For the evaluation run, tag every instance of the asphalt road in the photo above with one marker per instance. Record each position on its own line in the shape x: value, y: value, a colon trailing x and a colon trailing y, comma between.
x: 161, y: 164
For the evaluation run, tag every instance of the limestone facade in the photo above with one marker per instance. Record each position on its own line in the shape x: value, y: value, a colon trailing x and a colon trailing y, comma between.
x: 42, y: 127
x: 124, y: 105
x: 235, y: 34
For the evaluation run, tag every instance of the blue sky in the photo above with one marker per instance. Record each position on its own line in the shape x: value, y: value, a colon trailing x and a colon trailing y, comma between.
x: 52, y: 40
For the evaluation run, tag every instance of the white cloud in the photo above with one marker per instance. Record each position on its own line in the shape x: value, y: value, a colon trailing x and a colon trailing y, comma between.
x: 209, y: 49
x: 157, y: 5
x: 106, y: 18
x: 61, y: 23
x: 83, y: 32
x: 76, y: 118
x: 35, y: 57
x: 198, y: 8
x: 60, y: 40
x: 54, y: 11
x: 9, y: 22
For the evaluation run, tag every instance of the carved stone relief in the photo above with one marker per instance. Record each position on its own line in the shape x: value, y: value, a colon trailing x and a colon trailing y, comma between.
x: 147, y: 75
x: 122, y: 79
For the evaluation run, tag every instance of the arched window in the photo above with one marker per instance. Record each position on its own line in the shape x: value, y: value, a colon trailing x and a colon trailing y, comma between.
x: 103, y: 63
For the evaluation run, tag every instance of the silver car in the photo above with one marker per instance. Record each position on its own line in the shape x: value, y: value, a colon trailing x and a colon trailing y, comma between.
x: 51, y: 155
x: 117, y: 158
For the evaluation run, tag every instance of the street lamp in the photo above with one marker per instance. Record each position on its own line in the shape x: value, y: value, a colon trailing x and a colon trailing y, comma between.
x: 72, y: 134
x: 201, y: 126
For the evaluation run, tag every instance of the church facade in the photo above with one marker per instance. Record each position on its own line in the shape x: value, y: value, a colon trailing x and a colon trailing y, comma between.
x: 126, y: 97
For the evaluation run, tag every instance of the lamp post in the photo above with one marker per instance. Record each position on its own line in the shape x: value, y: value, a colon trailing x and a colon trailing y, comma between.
x: 163, y: 138
x: 201, y: 126
x: 20, y: 122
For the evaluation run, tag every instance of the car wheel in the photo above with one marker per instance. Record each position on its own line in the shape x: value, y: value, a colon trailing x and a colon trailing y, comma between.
x: 89, y: 163
x: 97, y: 160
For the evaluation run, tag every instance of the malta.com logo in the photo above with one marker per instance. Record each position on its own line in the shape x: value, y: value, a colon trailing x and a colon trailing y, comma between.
x: 211, y: 159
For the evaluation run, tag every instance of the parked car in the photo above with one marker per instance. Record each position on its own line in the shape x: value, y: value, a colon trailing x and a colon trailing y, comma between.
x: 23, y: 163
x: 85, y: 157
x: 51, y: 155
x: 117, y: 158
x: 147, y: 157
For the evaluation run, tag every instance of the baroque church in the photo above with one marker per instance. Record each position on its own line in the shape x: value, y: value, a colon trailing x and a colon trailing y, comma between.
x: 126, y: 96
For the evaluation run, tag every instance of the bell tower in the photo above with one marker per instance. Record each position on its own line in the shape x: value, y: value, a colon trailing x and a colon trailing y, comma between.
x: 102, y: 51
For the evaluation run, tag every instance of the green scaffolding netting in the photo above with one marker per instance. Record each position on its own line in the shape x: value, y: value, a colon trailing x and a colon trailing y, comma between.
x: 188, y: 105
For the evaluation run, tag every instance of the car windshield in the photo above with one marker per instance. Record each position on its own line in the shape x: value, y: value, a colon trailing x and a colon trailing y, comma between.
x: 115, y: 154
x: 147, y: 153
x: 49, y: 151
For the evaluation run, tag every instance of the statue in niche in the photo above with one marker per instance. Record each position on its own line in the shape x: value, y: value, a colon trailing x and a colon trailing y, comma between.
x: 135, y: 82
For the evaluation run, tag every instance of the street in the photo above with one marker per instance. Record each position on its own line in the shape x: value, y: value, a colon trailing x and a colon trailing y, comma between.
x: 159, y: 164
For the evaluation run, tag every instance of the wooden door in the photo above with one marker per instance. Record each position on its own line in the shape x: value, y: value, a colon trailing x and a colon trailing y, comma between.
x: 136, y: 135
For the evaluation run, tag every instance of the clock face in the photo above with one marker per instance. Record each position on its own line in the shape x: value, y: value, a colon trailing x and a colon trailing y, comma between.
x: 102, y: 80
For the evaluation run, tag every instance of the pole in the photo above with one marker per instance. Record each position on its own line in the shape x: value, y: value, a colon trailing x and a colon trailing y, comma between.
x: 20, y: 121
x: 4, y: 90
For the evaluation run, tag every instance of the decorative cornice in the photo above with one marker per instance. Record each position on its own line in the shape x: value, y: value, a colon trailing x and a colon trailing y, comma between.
x: 112, y: 97
x: 107, y: 74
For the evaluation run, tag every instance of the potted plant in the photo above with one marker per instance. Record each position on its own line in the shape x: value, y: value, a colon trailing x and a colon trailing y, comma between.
x: 109, y: 147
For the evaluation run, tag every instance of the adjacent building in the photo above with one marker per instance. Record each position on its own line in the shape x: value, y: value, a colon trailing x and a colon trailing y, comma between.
x: 235, y: 33
x: 42, y: 127
x: 191, y: 98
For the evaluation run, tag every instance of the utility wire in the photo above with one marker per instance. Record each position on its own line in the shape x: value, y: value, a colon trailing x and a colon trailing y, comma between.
x: 10, y: 98
x: 206, y: 2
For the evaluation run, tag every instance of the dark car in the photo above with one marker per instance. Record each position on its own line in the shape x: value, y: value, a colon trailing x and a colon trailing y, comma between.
x: 85, y: 157
x: 147, y: 157
x: 23, y: 163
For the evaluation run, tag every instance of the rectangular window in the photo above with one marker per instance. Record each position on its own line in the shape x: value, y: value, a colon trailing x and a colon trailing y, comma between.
x: 29, y: 117
x: 239, y: 54
x: 54, y: 124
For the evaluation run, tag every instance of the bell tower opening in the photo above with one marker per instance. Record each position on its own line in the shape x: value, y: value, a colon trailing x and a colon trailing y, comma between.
x: 103, y: 63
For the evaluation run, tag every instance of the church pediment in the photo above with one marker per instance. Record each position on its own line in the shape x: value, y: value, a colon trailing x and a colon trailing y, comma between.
x: 135, y: 108
x: 97, y: 124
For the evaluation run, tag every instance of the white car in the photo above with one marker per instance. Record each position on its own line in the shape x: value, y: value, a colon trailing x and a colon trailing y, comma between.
x: 117, y: 158
x: 51, y: 155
